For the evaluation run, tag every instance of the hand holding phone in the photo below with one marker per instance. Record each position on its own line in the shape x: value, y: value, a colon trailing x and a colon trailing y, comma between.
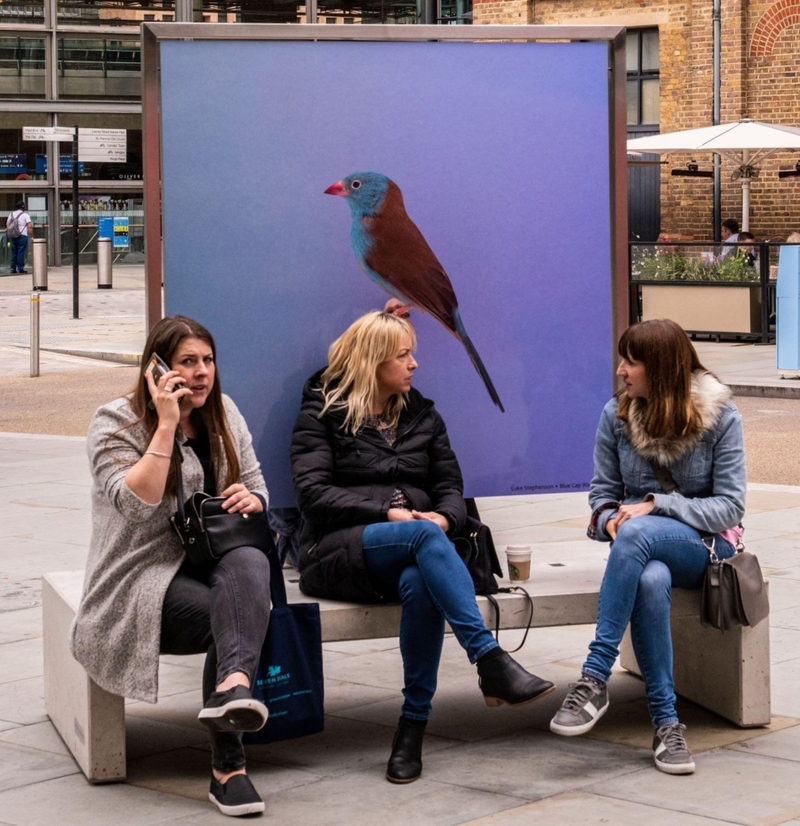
x: 157, y: 367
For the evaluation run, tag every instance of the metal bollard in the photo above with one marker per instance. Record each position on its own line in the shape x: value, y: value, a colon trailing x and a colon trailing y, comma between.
x: 39, y: 263
x: 104, y: 264
x: 34, y: 335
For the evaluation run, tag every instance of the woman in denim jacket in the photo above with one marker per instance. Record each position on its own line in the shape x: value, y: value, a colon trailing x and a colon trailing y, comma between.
x: 670, y: 413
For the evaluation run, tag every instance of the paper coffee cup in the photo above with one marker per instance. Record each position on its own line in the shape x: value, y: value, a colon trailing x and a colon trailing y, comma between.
x: 519, y: 562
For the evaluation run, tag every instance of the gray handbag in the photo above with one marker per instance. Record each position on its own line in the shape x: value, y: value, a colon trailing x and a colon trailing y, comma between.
x: 733, y: 590
x: 734, y: 593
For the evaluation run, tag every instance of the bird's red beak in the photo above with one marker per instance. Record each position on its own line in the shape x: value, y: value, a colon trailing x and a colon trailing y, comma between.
x: 336, y: 189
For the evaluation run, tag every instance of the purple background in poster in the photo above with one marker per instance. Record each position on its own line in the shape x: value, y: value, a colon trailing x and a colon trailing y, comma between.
x: 502, y: 153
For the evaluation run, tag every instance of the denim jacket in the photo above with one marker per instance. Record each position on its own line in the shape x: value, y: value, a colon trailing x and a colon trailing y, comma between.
x: 709, y: 469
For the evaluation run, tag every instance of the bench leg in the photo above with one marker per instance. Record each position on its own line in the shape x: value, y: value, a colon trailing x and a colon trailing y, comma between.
x: 727, y: 673
x: 91, y: 721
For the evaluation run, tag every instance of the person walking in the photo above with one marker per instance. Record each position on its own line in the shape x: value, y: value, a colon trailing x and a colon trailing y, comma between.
x: 19, y: 229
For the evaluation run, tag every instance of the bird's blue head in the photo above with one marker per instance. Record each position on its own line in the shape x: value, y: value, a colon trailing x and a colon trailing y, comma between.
x: 364, y: 191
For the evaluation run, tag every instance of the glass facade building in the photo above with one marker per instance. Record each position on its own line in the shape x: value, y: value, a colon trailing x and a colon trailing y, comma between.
x: 78, y: 63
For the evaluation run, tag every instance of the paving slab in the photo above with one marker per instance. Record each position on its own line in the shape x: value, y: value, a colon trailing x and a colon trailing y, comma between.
x: 22, y: 701
x: 783, y: 744
x: 20, y: 766
x: 533, y: 764
x: 582, y: 809
x: 71, y: 801
x: 728, y: 785
x: 21, y: 660
x: 41, y: 736
x: 20, y: 624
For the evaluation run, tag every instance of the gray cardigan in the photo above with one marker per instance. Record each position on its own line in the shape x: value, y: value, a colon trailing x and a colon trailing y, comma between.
x: 134, y: 553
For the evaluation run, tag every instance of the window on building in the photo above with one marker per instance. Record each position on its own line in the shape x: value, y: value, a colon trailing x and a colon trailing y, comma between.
x: 642, y: 64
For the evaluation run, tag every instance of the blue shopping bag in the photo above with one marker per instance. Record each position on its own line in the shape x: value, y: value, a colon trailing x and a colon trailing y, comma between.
x: 289, y: 679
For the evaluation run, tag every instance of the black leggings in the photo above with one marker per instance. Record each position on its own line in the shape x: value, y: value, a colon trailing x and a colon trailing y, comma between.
x: 222, y: 610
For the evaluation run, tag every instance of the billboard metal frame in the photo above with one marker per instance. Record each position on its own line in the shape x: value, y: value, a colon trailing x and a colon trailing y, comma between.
x: 614, y: 36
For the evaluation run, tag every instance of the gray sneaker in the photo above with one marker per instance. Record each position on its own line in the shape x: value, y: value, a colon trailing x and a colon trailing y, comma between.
x: 670, y: 750
x: 585, y: 703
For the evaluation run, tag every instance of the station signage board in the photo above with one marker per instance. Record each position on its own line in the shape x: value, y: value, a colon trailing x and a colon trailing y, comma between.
x: 47, y: 133
x: 13, y: 164
x: 103, y: 145
x: 65, y: 164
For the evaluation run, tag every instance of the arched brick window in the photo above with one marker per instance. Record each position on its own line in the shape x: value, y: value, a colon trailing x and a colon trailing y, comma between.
x: 775, y: 19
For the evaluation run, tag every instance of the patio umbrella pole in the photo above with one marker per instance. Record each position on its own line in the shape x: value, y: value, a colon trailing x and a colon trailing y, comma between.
x: 745, y: 190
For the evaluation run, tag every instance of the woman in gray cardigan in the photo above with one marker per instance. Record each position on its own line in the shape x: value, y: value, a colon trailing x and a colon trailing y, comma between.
x: 141, y: 595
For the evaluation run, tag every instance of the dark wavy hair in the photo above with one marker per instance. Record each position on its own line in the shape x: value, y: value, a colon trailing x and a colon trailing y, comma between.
x: 165, y: 338
x: 669, y: 360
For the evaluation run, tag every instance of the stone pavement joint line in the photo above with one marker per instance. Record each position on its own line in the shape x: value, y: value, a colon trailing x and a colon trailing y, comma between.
x: 481, y: 765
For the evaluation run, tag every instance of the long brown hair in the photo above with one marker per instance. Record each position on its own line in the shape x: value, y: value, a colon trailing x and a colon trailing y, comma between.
x: 165, y: 338
x: 669, y: 360
x: 350, y: 380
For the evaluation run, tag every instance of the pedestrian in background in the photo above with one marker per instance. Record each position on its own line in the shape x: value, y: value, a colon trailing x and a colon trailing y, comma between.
x: 19, y: 229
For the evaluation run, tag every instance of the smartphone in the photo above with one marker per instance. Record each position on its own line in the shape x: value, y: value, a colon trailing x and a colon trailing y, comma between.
x: 158, y: 367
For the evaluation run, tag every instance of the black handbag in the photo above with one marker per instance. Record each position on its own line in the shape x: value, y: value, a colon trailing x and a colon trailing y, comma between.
x: 207, y: 531
x: 475, y: 545
x: 733, y: 589
x: 289, y: 679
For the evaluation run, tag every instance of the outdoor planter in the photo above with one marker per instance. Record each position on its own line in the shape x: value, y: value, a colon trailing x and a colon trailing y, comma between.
x: 702, y: 297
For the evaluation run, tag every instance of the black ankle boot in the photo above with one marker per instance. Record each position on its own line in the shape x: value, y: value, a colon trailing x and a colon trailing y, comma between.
x: 504, y: 680
x: 405, y: 761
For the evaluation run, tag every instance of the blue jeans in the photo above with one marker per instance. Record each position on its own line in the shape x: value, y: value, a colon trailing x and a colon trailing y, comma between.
x: 648, y: 557
x: 417, y: 563
x: 19, y: 249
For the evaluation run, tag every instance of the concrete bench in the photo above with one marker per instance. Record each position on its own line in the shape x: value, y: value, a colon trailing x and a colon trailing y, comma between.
x: 726, y: 673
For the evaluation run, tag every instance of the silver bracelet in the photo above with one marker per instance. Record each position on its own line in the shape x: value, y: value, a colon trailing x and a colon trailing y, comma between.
x: 156, y: 453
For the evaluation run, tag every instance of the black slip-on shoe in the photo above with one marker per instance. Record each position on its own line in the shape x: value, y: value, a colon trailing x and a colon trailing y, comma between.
x: 237, y: 797
x: 233, y: 710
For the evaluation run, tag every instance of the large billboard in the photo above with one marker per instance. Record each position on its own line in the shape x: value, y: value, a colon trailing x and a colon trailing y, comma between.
x: 501, y: 152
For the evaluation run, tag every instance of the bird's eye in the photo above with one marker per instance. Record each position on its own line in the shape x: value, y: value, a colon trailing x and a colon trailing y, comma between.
x: 355, y: 185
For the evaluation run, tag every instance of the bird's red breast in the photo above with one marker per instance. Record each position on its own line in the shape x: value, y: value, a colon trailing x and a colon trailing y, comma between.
x: 401, y: 255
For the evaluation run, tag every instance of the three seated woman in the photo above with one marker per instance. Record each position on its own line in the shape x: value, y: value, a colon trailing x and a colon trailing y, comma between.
x: 381, y: 493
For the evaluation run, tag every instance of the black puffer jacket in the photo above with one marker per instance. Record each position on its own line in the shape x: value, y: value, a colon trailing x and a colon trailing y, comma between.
x: 343, y: 482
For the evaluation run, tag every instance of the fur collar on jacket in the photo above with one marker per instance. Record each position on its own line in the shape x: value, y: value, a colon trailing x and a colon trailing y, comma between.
x: 709, y: 396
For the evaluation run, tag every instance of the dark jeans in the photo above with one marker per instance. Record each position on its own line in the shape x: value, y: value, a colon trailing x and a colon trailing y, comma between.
x: 224, y: 611
x: 19, y: 249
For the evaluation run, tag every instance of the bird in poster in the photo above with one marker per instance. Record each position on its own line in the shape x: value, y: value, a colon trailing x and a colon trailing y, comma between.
x: 393, y: 252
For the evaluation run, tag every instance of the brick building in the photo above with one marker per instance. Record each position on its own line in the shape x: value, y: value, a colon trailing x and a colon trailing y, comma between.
x: 670, y: 87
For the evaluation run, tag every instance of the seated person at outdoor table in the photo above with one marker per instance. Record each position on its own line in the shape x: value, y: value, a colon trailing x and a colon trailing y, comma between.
x: 141, y: 595
x: 380, y: 488
x: 671, y: 413
x: 746, y: 249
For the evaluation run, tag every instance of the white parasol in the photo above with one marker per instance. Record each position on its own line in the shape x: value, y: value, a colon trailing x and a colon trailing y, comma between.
x: 746, y: 142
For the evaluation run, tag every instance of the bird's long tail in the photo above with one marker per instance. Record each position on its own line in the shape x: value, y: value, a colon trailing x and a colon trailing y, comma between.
x: 476, y: 359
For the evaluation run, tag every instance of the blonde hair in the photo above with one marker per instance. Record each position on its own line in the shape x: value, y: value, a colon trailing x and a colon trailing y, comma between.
x: 794, y: 238
x: 349, y: 382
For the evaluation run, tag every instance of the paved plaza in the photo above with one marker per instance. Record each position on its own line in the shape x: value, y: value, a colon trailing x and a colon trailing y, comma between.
x: 481, y: 765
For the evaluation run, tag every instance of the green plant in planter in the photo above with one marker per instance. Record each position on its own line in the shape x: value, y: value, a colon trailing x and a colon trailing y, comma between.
x: 658, y: 264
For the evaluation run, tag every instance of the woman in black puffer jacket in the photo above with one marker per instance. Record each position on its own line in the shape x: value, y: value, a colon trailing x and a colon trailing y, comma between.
x: 380, y: 488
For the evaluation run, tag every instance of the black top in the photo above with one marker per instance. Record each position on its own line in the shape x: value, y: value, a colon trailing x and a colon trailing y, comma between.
x: 201, y: 446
